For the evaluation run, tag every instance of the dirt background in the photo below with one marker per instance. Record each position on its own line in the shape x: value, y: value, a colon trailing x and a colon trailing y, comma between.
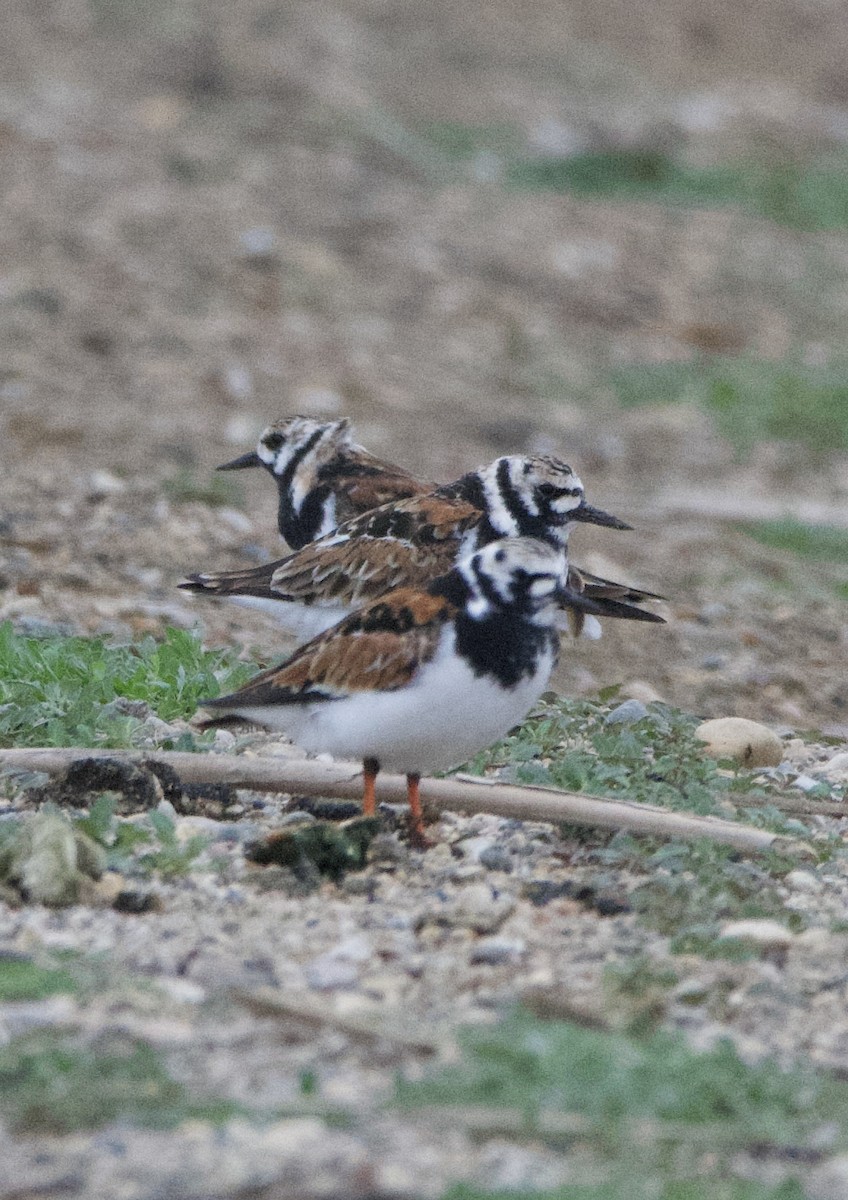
x: 214, y: 215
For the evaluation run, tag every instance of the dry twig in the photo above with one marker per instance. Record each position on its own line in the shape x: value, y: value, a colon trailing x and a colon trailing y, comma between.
x: 311, y: 778
x: 318, y: 1013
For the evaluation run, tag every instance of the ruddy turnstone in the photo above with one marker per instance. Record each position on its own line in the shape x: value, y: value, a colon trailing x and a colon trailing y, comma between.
x: 421, y: 678
x: 323, y: 477
x: 411, y: 541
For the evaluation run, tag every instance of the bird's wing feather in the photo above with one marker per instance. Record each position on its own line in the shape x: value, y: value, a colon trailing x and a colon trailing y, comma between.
x: 408, y: 542
x: 377, y: 648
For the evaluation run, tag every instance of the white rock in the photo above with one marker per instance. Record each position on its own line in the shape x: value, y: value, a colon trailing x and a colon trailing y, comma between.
x: 356, y: 948
x: 238, y: 521
x: 496, y: 950
x: 806, y: 783
x: 765, y: 935
x: 803, y: 881
x: 626, y: 713
x: 244, y: 427
x: 184, y: 991
x: 478, y: 908
x: 747, y: 743
x: 326, y: 973
x: 640, y: 689
x: 829, y: 1181
x: 104, y: 483
x: 834, y: 768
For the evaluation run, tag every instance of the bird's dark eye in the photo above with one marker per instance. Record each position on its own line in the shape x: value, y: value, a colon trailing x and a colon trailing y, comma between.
x: 273, y: 441
x: 500, y: 556
x: 549, y: 490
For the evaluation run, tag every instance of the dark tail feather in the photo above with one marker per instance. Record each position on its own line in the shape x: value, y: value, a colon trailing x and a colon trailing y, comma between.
x: 603, y: 589
x: 253, y: 582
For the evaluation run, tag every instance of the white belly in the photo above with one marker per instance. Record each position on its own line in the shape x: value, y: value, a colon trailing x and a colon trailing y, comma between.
x: 445, y: 716
x: 591, y: 631
x: 303, y: 621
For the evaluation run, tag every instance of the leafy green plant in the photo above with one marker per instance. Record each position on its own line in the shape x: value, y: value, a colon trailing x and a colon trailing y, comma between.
x: 463, y: 143
x: 811, y: 195
x: 133, y: 847
x: 61, y: 691
x: 691, y: 889
x: 569, y: 744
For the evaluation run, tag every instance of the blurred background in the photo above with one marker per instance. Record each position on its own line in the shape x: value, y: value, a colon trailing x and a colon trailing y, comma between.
x: 614, y: 232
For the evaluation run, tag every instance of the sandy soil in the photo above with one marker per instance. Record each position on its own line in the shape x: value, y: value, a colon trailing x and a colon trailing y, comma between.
x: 216, y: 214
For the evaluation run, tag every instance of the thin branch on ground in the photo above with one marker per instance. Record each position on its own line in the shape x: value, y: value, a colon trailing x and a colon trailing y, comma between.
x: 344, y: 781
x: 319, y: 1012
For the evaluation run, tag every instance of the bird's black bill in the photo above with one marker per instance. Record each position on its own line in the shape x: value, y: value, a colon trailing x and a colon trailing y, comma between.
x: 628, y: 612
x: 238, y: 464
x: 597, y: 516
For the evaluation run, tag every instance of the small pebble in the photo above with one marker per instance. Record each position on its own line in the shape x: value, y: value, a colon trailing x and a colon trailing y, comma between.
x: 494, y: 951
x: 258, y: 242
x: 326, y: 973
x: 806, y: 783
x: 627, y: 713
x: 496, y: 858
x: 835, y: 768
x: 804, y: 881
x: 765, y: 935
x: 640, y: 689
x: 691, y: 991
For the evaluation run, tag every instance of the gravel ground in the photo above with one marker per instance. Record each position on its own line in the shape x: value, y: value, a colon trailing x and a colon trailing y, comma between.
x: 213, y: 216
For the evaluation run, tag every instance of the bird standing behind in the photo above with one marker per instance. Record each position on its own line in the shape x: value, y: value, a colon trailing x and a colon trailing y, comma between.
x: 411, y: 541
x: 323, y: 477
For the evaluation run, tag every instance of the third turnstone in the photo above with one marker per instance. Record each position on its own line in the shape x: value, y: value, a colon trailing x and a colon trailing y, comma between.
x: 422, y: 678
x: 411, y: 541
x: 323, y: 477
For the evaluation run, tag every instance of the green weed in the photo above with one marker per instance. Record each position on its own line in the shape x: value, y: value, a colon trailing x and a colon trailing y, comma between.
x: 691, y: 889
x: 51, y: 1084
x: 567, y: 744
x: 651, y: 1102
x: 463, y: 143
x: 649, y: 1189
x: 812, y: 197
x: 751, y: 400
x: 218, y: 491
x: 61, y: 691
x: 823, y: 542
x: 145, y: 848
x: 22, y: 979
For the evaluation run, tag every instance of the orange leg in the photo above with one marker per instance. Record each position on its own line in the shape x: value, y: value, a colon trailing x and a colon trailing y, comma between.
x: 417, y: 836
x: 370, y: 767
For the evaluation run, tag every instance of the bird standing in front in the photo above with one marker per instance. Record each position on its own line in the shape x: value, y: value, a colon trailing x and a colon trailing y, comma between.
x: 422, y: 678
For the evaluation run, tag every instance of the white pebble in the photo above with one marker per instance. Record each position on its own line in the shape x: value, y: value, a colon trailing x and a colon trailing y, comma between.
x: 747, y: 743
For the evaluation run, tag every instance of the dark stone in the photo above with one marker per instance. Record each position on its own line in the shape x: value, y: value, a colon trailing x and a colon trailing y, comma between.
x: 137, y: 901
